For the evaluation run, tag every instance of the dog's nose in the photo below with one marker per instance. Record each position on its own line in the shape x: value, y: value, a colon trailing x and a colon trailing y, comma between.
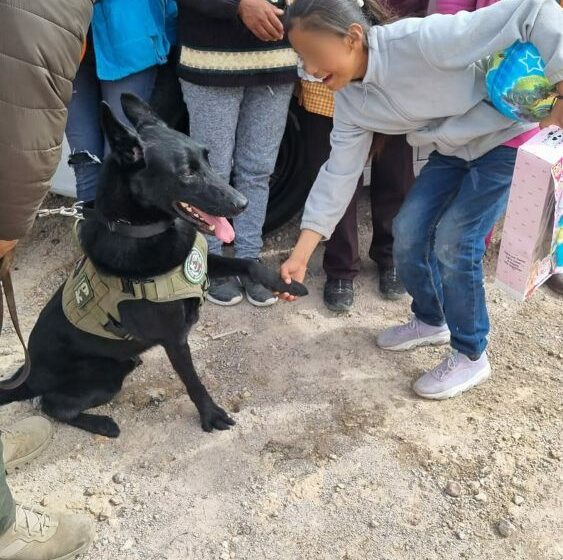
x: 241, y: 202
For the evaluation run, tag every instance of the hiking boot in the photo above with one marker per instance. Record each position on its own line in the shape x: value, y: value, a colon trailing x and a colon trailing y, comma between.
x: 38, y: 535
x: 25, y: 440
x: 257, y: 294
x: 225, y: 291
x: 555, y: 283
x: 456, y: 374
x: 390, y: 285
x: 339, y: 294
x: 412, y: 335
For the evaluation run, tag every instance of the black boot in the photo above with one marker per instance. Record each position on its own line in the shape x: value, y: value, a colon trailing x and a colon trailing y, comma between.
x: 339, y: 294
x: 390, y: 285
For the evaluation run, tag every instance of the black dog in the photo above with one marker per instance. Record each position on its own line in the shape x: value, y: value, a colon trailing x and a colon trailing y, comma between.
x: 156, y: 190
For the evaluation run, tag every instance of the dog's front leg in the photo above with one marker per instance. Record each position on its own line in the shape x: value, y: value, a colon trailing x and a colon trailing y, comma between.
x: 212, y: 416
x: 224, y: 266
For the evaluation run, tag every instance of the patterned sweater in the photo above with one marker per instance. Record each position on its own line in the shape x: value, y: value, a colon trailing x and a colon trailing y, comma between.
x: 218, y: 50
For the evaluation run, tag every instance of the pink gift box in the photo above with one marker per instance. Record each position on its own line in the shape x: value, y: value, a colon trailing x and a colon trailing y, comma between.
x: 527, y: 251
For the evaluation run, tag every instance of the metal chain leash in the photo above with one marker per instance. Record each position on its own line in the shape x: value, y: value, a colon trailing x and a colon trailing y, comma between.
x: 74, y: 211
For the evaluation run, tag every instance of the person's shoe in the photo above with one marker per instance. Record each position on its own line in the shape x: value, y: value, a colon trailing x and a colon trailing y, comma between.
x: 390, y: 285
x: 25, y: 440
x: 456, y: 374
x: 225, y: 291
x: 555, y: 283
x: 338, y: 295
x: 257, y: 294
x: 38, y: 535
x: 412, y: 335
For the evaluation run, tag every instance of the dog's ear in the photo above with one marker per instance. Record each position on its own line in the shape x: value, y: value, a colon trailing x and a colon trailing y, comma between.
x: 123, y: 141
x: 139, y: 112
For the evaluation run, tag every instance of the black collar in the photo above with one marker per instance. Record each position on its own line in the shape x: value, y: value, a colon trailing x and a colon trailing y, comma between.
x: 125, y: 228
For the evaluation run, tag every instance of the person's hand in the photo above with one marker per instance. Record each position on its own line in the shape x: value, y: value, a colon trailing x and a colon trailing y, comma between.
x: 6, y: 247
x: 262, y: 18
x: 555, y: 118
x: 293, y: 268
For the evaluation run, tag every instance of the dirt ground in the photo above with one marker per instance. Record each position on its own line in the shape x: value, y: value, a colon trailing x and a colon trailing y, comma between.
x: 333, y: 456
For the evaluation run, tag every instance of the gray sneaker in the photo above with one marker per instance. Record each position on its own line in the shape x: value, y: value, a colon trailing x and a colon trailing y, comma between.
x: 258, y: 295
x: 415, y: 333
x: 225, y: 291
x: 456, y: 374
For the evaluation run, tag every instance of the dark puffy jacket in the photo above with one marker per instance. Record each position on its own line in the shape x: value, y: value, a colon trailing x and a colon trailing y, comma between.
x: 40, y: 46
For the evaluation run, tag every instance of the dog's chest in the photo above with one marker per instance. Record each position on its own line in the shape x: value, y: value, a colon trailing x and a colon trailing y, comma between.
x: 91, y: 300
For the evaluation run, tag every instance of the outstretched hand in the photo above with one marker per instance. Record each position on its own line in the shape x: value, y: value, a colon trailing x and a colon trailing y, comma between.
x: 293, y: 269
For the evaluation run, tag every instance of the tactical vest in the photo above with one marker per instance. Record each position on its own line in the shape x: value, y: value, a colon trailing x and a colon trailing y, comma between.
x: 91, y: 299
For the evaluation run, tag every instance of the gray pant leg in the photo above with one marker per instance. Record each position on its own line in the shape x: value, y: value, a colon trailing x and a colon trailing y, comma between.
x: 261, y: 125
x: 7, y: 504
x: 214, y: 114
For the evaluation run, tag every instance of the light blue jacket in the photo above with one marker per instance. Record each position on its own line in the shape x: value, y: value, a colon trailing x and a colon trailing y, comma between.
x: 132, y: 35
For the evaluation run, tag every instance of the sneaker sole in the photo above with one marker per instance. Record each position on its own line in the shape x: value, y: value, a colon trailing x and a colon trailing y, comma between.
x: 483, y: 375
x: 222, y: 303
x: 434, y: 340
x: 74, y: 554
x: 17, y: 463
x: 256, y: 303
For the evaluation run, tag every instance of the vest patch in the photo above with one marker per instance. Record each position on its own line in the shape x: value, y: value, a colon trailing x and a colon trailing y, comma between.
x: 83, y: 292
x: 195, y: 267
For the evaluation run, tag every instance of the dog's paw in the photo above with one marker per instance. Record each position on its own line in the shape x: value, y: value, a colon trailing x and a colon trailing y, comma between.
x: 215, y: 418
x: 105, y: 426
x: 271, y: 280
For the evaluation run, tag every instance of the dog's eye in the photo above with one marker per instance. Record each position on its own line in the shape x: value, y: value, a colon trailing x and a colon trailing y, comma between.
x: 187, y: 172
x: 206, y: 154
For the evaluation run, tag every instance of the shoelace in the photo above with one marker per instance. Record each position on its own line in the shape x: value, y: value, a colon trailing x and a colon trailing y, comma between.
x: 340, y: 289
x: 392, y: 275
x: 32, y: 521
x: 449, y: 363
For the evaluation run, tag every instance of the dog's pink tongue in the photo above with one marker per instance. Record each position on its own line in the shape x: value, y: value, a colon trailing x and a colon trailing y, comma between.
x: 223, y: 229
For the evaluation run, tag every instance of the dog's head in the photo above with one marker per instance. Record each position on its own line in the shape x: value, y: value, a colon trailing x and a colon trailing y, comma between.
x: 167, y: 170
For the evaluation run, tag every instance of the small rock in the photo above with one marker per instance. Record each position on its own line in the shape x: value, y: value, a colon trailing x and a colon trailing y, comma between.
x: 115, y: 501
x: 144, y: 465
x: 460, y: 535
x: 554, y: 454
x: 246, y: 394
x: 127, y: 545
x: 518, y: 500
x: 225, y: 556
x: 44, y: 502
x: 474, y: 486
x: 119, y: 478
x: 90, y: 491
x: 505, y: 528
x: 333, y: 457
x: 373, y: 524
x: 453, y: 489
x: 481, y: 497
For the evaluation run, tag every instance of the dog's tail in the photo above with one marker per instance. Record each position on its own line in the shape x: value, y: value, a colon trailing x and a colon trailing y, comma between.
x: 21, y: 393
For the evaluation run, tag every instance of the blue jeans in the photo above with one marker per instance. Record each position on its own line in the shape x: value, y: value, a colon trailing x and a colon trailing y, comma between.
x: 243, y: 128
x: 83, y: 128
x: 440, y: 241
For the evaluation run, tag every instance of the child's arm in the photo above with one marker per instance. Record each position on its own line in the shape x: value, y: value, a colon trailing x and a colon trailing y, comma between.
x: 331, y: 194
x: 469, y: 37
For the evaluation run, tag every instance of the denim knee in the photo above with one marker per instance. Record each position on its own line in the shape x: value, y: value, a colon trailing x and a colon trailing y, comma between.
x: 408, y: 244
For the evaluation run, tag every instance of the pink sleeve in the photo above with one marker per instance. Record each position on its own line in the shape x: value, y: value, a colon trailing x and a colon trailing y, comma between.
x: 454, y: 6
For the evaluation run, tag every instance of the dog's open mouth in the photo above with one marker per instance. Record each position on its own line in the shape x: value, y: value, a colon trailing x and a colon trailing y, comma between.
x: 211, y: 225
